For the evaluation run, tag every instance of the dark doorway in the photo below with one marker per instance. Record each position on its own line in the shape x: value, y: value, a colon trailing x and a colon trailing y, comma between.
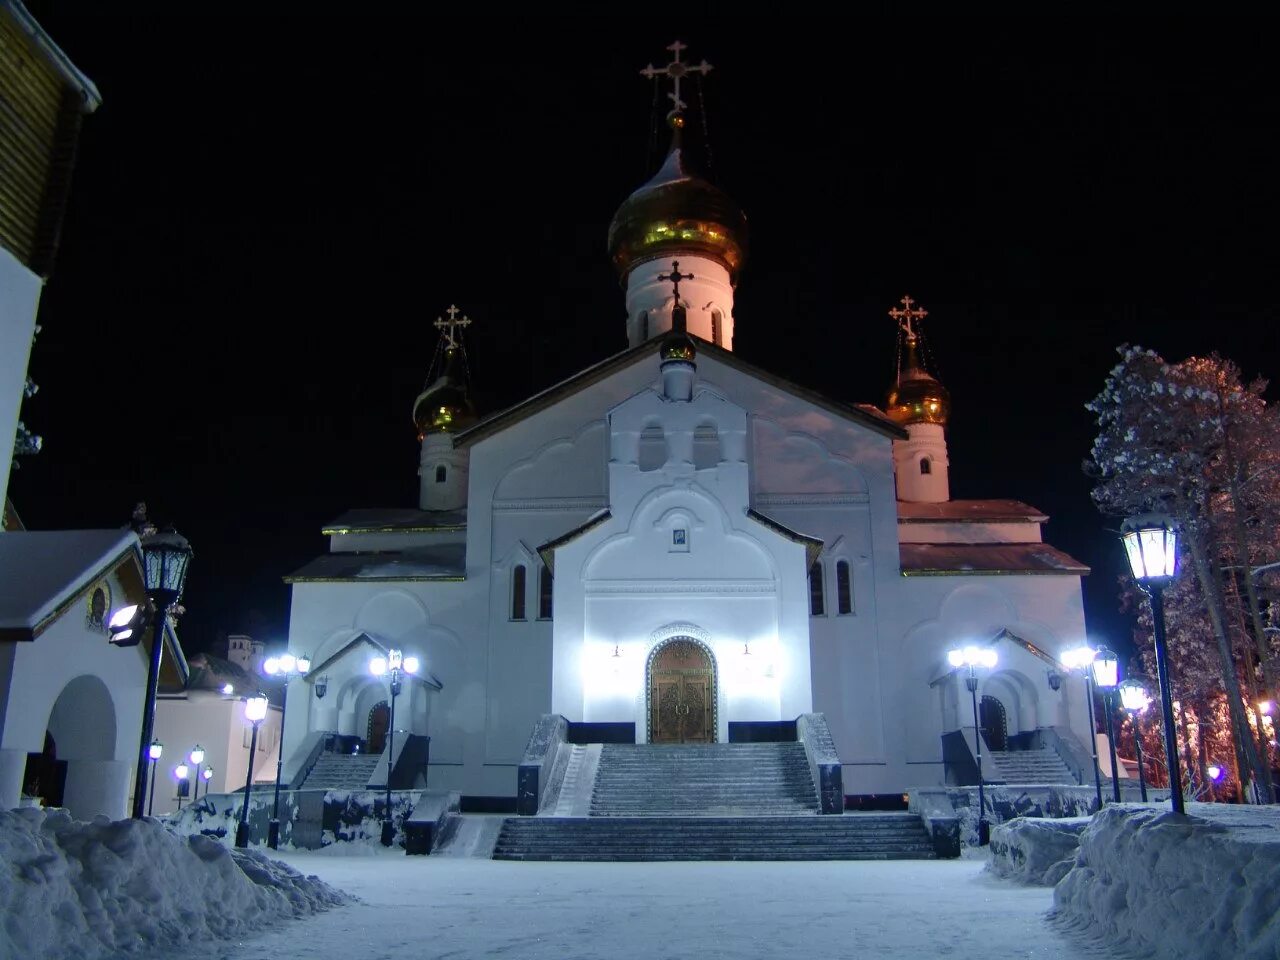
x: 994, y: 728
x: 379, y: 721
x: 46, y: 775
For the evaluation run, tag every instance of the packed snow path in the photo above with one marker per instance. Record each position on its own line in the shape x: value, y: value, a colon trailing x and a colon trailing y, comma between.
x: 470, y: 908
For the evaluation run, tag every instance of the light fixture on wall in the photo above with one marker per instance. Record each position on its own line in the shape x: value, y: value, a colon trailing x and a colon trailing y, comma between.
x: 1055, y: 680
x: 322, y: 687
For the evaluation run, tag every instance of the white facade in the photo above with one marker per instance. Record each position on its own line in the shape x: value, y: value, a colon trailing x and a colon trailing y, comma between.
x: 19, y: 298
x: 595, y: 476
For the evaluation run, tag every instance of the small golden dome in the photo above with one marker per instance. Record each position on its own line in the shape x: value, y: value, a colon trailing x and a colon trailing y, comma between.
x: 676, y: 213
x: 445, y: 406
x: 678, y: 346
x: 917, y: 397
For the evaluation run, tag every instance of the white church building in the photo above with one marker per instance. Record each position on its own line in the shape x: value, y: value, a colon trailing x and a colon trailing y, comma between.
x: 677, y: 546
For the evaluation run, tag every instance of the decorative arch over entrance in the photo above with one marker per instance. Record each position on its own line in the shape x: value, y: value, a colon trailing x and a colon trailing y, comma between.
x: 681, y: 692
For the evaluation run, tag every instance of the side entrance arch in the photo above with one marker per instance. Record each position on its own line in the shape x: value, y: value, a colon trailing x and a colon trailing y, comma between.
x: 995, y: 725
x: 681, y: 692
x: 376, y: 732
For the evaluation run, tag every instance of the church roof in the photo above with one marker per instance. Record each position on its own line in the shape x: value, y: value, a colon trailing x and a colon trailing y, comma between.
x: 969, y: 511
x: 364, y: 640
x: 444, y: 561
x: 812, y: 545
x: 862, y: 414
x: 986, y: 559
x: 396, y: 520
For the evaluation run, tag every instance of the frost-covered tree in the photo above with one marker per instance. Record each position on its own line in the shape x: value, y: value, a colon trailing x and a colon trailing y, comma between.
x: 1189, y: 440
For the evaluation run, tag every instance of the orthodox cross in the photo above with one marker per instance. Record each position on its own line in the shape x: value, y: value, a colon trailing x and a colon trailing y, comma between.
x: 675, y: 276
x: 450, y: 327
x: 676, y: 70
x: 907, y: 314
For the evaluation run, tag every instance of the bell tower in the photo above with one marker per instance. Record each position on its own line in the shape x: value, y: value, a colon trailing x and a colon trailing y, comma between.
x: 441, y: 410
x: 918, y: 402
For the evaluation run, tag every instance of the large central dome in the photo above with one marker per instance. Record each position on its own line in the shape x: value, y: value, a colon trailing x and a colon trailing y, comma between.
x: 678, y: 212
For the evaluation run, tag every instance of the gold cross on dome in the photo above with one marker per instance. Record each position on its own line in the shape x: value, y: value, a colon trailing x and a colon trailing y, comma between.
x: 450, y: 327
x: 906, y: 314
x: 676, y: 70
x: 675, y: 276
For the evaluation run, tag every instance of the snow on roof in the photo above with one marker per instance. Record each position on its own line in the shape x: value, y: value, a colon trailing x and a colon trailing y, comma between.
x: 395, y: 520
x: 445, y: 561
x: 969, y: 511
x: 986, y: 559
x: 44, y: 569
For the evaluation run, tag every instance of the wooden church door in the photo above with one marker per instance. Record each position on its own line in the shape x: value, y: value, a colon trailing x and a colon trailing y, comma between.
x: 681, y: 694
x: 379, y: 720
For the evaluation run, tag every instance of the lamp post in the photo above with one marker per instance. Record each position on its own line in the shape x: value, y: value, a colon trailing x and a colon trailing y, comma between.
x: 255, y: 711
x: 154, y: 752
x: 1079, y: 658
x: 1106, y: 675
x: 287, y: 667
x: 165, y: 556
x: 974, y: 657
x: 1134, y: 699
x: 1151, y: 544
x: 206, y: 775
x: 196, y: 757
x: 180, y: 774
x: 394, y: 666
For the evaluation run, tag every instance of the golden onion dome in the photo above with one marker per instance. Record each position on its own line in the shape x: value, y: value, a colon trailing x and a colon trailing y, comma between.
x: 445, y: 406
x: 917, y: 397
x: 678, y: 346
x: 678, y: 212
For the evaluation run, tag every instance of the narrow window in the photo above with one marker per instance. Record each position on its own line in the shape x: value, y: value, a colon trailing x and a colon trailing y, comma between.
x: 844, y: 590
x: 715, y: 327
x: 441, y: 473
x: 653, y: 449
x: 925, y: 466
x: 816, y: 606
x: 517, y: 592
x: 644, y: 325
x: 544, y: 593
x: 706, y: 447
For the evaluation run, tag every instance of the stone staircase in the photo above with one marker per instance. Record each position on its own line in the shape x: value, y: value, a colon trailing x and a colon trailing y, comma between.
x: 1025, y: 766
x: 883, y: 836
x: 703, y: 780
x: 341, y: 771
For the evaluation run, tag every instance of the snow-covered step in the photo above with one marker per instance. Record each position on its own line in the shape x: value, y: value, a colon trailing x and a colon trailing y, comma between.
x: 1025, y: 766
x: 341, y: 771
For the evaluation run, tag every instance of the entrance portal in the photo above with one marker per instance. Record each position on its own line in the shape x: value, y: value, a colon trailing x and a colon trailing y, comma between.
x: 379, y: 720
x: 995, y: 728
x: 682, y: 693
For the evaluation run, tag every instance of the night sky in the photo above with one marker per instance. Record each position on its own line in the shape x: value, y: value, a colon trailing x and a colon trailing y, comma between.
x: 268, y: 213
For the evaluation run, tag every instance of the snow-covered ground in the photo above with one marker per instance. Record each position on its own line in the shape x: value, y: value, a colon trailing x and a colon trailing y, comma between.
x: 131, y: 888
x: 459, y: 908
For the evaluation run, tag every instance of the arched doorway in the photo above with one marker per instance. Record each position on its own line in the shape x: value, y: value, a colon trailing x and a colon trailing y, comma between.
x: 80, y: 752
x: 682, y: 693
x: 379, y: 722
x: 46, y: 775
x: 995, y: 727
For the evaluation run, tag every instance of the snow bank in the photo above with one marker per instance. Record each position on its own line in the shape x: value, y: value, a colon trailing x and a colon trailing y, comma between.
x: 1033, y: 850
x: 1154, y: 883
x: 70, y: 889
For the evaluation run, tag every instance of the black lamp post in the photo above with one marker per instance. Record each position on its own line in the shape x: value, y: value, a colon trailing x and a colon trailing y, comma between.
x: 255, y: 711
x: 182, y: 778
x: 1106, y: 675
x: 196, y: 759
x: 1134, y: 699
x: 974, y: 657
x: 287, y: 667
x: 165, y: 556
x: 1081, y: 658
x: 1151, y: 544
x: 154, y: 752
x: 394, y: 666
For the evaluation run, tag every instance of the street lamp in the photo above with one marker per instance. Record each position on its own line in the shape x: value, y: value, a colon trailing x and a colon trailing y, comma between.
x: 1079, y: 658
x: 180, y: 774
x: 1106, y: 675
x: 206, y: 775
x: 196, y: 757
x: 395, y: 666
x: 154, y: 752
x: 287, y: 667
x: 165, y: 556
x: 1134, y: 699
x: 974, y: 657
x: 1151, y: 544
x: 255, y: 711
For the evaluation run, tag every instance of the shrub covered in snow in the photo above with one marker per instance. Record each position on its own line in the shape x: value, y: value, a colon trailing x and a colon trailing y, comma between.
x: 70, y: 889
x: 1033, y: 850
x: 1155, y: 883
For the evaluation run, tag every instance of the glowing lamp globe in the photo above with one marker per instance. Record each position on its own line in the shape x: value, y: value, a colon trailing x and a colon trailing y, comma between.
x: 271, y: 666
x: 1151, y: 544
x: 287, y: 662
x: 156, y: 750
x: 411, y: 664
x: 1133, y: 696
x: 394, y: 659
x: 197, y: 755
x: 165, y: 556
x: 1214, y: 772
x: 1106, y: 668
x: 182, y: 771
x: 207, y: 773
x: 1077, y: 658
x: 303, y: 664
x: 255, y: 708
x: 378, y: 666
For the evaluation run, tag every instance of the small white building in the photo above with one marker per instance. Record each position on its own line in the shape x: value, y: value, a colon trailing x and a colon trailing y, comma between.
x: 675, y: 541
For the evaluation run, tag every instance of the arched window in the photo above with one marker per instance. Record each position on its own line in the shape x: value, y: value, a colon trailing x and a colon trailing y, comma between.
x: 844, y: 589
x: 706, y: 447
x: 716, y: 330
x: 441, y: 473
x: 816, y: 605
x: 653, y: 448
x: 925, y: 466
x: 544, y: 592
x: 517, y: 592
